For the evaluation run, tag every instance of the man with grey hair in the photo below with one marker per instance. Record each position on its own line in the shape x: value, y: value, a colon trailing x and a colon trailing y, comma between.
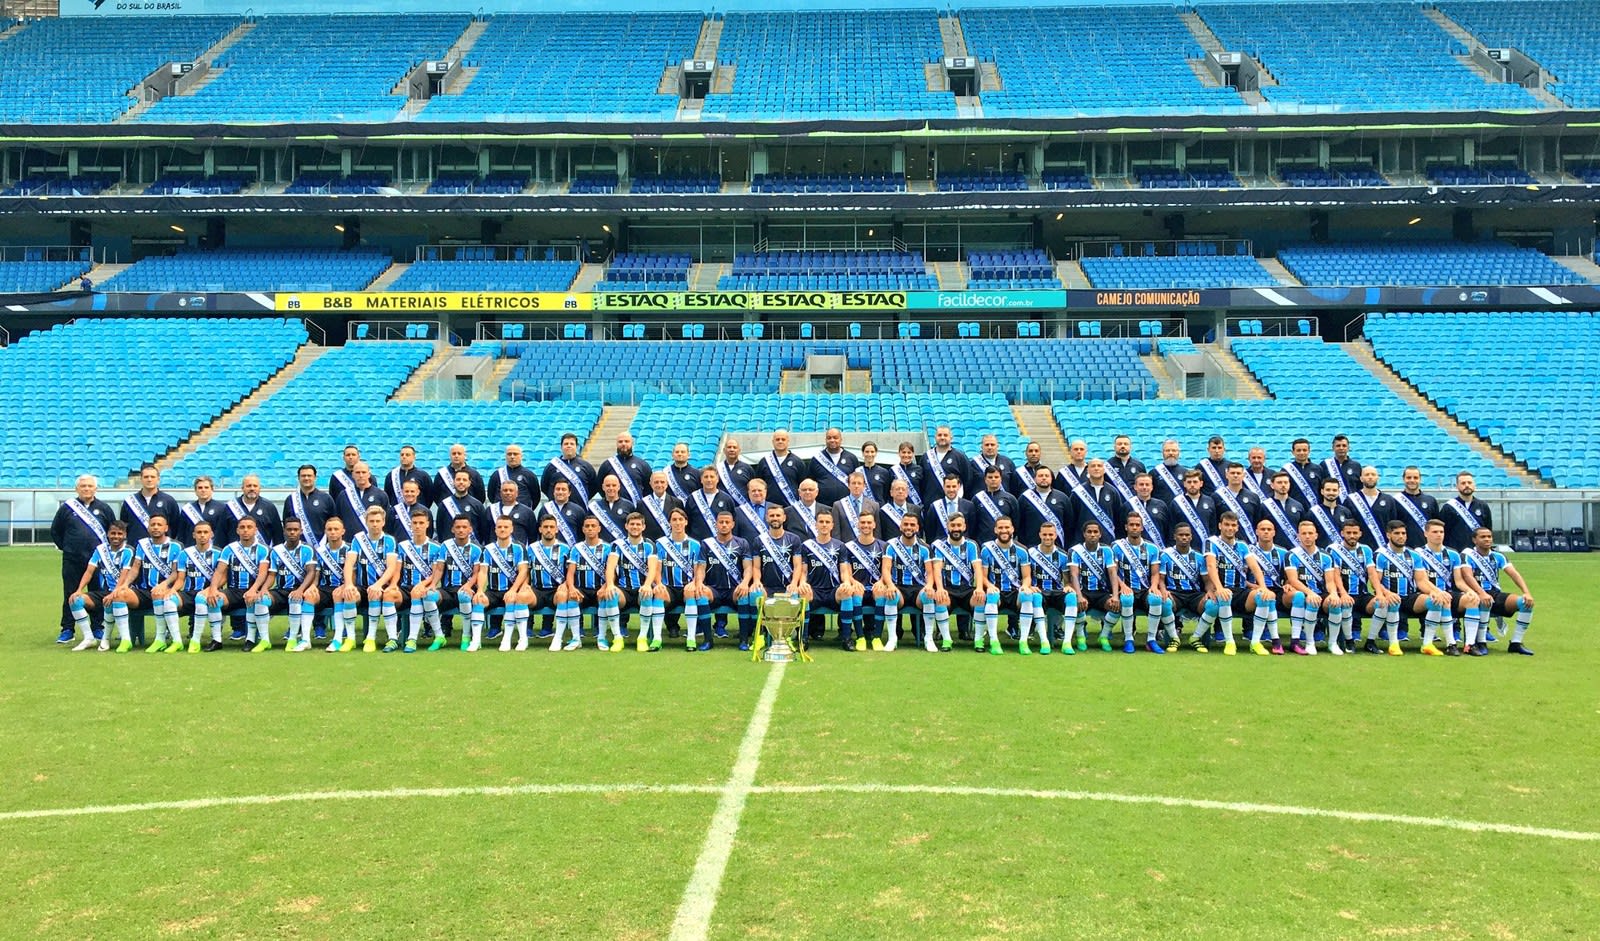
x: 79, y: 528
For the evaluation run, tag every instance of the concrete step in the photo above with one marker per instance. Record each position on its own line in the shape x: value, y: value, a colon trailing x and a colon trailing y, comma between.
x: 12, y: 30
x: 237, y: 33
x: 1071, y: 275
x: 952, y: 36
x: 1362, y: 352
x: 704, y: 277
x: 388, y: 277
x: 722, y: 79
x: 588, y: 277
x: 671, y: 76
x: 412, y: 389
x: 710, y: 40
x: 1583, y: 265
x: 1277, y: 270
x: 502, y: 369
x: 952, y: 275
x: 304, y: 357
x: 602, y: 440
x: 1249, y: 387
x: 1201, y: 32
x: 934, y: 77
x: 1157, y: 365
x: 1038, y: 424
x: 100, y: 274
x: 792, y: 381
x: 858, y: 381
x: 989, y: 78
x: 1203, y: 74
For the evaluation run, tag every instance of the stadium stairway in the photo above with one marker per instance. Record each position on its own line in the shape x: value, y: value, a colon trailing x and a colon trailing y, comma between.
x: 1249, y: 386
x: 952, y: 36
x: 1158, y: 368
x: 710, y: 40
x: 209, y: 58
x: 952, y: 275
x: 390, y: 274
x: 588, y: 277
x: 1038, y: 424
x: 100, y: 274
x: 1072, y: 276
x: 1582, y: 264
x: 1277, y: 270
x: 1465, y: 37
x: 411, y: 390
x: 457, y: 80
x: 303, y: 357
x: 602, y: 440
x: 1361, y: 352
x: 704, y: 276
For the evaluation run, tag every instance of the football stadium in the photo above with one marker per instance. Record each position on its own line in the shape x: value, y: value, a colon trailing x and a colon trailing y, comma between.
x: 988, y: 470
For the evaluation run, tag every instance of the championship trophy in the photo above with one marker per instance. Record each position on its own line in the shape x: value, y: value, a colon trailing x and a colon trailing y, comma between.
x: 783, y: 617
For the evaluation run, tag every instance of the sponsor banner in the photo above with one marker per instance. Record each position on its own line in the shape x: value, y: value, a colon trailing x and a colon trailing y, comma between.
x: 413, y: 302
x: 986, y: 300
x: 1149, y: 298
x: 750, y: 300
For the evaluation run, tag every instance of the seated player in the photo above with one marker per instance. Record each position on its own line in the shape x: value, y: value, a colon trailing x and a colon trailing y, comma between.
x: 293, y: 568
x: 777, y: 568
x: 547, y: 578
x: 373, y: 567
x: 1395, y: 575
x: 1139, y: 565
x: 1486, y: 566
x: 332, y: 596
x: 1230, y: 570
x: 241, y: 580
x: 152, y: 583
x: 1270, y: 596
x: 586, y: 575
x: 677, y: 573
x: 421, y: 569
x: 1354, y: 560
x: 1007, y: 584
x: 627, y: 573
x: 198, y: 564
x: 1313, y: 581
x: 100, y: 580
x: 502, y: 583
x: 1184, y: 587
x: 1442, y: 578
x: 907, y: 568
x: 827, y: 583
x: 956, y: 571
x: 453, y: 591
x: 1094, y: 579
x: 1054, y: 601
x: 864, y: 555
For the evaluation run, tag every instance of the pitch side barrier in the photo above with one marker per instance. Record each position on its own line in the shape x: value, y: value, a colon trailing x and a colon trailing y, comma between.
x: 25, y: 514
x: 501, y: 303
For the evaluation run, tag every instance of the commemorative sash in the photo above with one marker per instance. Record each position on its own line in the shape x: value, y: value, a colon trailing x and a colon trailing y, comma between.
x: 1337, y: 473
x: 1306, y: 566
x: 1364, y: 510
x: 587, y: 552
x: 192, y: 513
x: 775, y: 551
x: 724, y: 558
x: 331, y: 568
x: 1438, y: 567
x: 1415, y: 512
x: 1276, y: 511
x: 89, y: 519
x: 1045, y: 510
x: 604, y: 516
x: 1488, y: 572
x: 1191, y: 516
x: 502, y: 561
x: 958, y: 561
x: 775, y: 468
x: 368, y: 550
x: 1402, y: 565
x: 702, y: 503
x: 139, y: 510
x: 907, y: 563
x: 238, y: 550
x: 549, y: 562
x: 1233, y: 561
x: 808, y: 516
x: 1046, y: 565
x: 725, y: 475
x: 1010, y: 571
x: 1185, y: 565
x: 1210, y: 470
x: 853, y: 518
x: 297, y: 506
x: 989, y: 506
x: 206, y: 567
x: 1173, y: 485
x: 657, y: 507
x: 1324, y: 521
x: 1255, y: 486
x: 676, y: 485
x: 447, y: 479
x: 864, y: 559
x: 161, y: 562
x: 829, y: 560
x: 1152, y: 531
x: 395, y: 480
x: 1299, y: 479
x: 566, y: 471
x: 911, y: 485
x: 291, y: 561
x: 1462, y: 511
x: 1094, y: 563
x: 419, y: 563
x: 833, y: 467
x: 1231, y: 499
x: 562, y: 523
x: 894, y: 513
x: 1087, y: 499
x: 350, y: 495
x: 624, y: 477
x: 1269, y: 566
x: 630, y: 553
x: 451, y: 506
x: 935, y: 464
x: 1138, y: 564
x: 460, y: 558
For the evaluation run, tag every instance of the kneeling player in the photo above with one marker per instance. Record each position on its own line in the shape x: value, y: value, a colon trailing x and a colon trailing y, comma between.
x: 1486, y: 566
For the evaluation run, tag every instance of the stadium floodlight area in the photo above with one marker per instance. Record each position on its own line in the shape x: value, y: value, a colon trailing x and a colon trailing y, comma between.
x: 343, y: 398
x: 701, y: 421
x: 307, y: 269
x: 78, y: 398
x: 315, y: 68
x: 486, y: 275
x: 1423, y: 263
x: 1549, y: 355
x: 1091, y: 60
x: 1169, y: 271
x: 78, y: 70
x: 1318, y: 391
x: 1560, y: 35
x: 576, y: 66
x: 1358, y: 57
x: 837, y: 64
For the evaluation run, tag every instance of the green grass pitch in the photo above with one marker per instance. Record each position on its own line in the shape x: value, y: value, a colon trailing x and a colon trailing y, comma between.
x: 871, y: 814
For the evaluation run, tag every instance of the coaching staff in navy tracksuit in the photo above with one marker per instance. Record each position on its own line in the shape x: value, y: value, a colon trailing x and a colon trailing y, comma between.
x: 77, y: 530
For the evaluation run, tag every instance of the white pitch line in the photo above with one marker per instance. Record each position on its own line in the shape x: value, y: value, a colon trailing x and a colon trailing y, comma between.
x: 693, y: 921
x: 398, y: 792
x: 1448, y: 823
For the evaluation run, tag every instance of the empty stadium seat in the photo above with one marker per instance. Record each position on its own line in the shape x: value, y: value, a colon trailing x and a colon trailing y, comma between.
x: 252, y: 270
x: 1423, y: 263
x: 486, y: 275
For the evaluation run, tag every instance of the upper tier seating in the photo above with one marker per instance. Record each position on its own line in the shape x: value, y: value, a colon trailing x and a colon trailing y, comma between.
x: 1423, y: 263
x: 670, y: 183
x: 479, y: 275
x: 631, y: 271
x: 701, y: 420
x: 78, y: 70
x: 622, y: 370
x: 73, y: 405
x: 343, y: 398
x: 35, y: 277
x: 1384, y: 56
x: 827, y: 183
x: 970, y: 181
x: 196, y: 184
x: 838, y: 64
x: 1360, y: 174
x: 332, y: 184
x: 578, y: 66
x: 1480, y: 176
x: 1090, y: 60
x: 1177, y: 271
x: 1551, y: 357
x: 495, y: 184
x: 49, y: 184
x: 1169, y: 178
x: 1319, y: 391
x: 874, y: 270
x: 1066, y: 180
x: 243, y: 269
x: 316, y: 68
x: 1560, y: 35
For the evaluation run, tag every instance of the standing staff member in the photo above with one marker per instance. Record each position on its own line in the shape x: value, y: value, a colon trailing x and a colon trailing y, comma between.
x: 79, y: 528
